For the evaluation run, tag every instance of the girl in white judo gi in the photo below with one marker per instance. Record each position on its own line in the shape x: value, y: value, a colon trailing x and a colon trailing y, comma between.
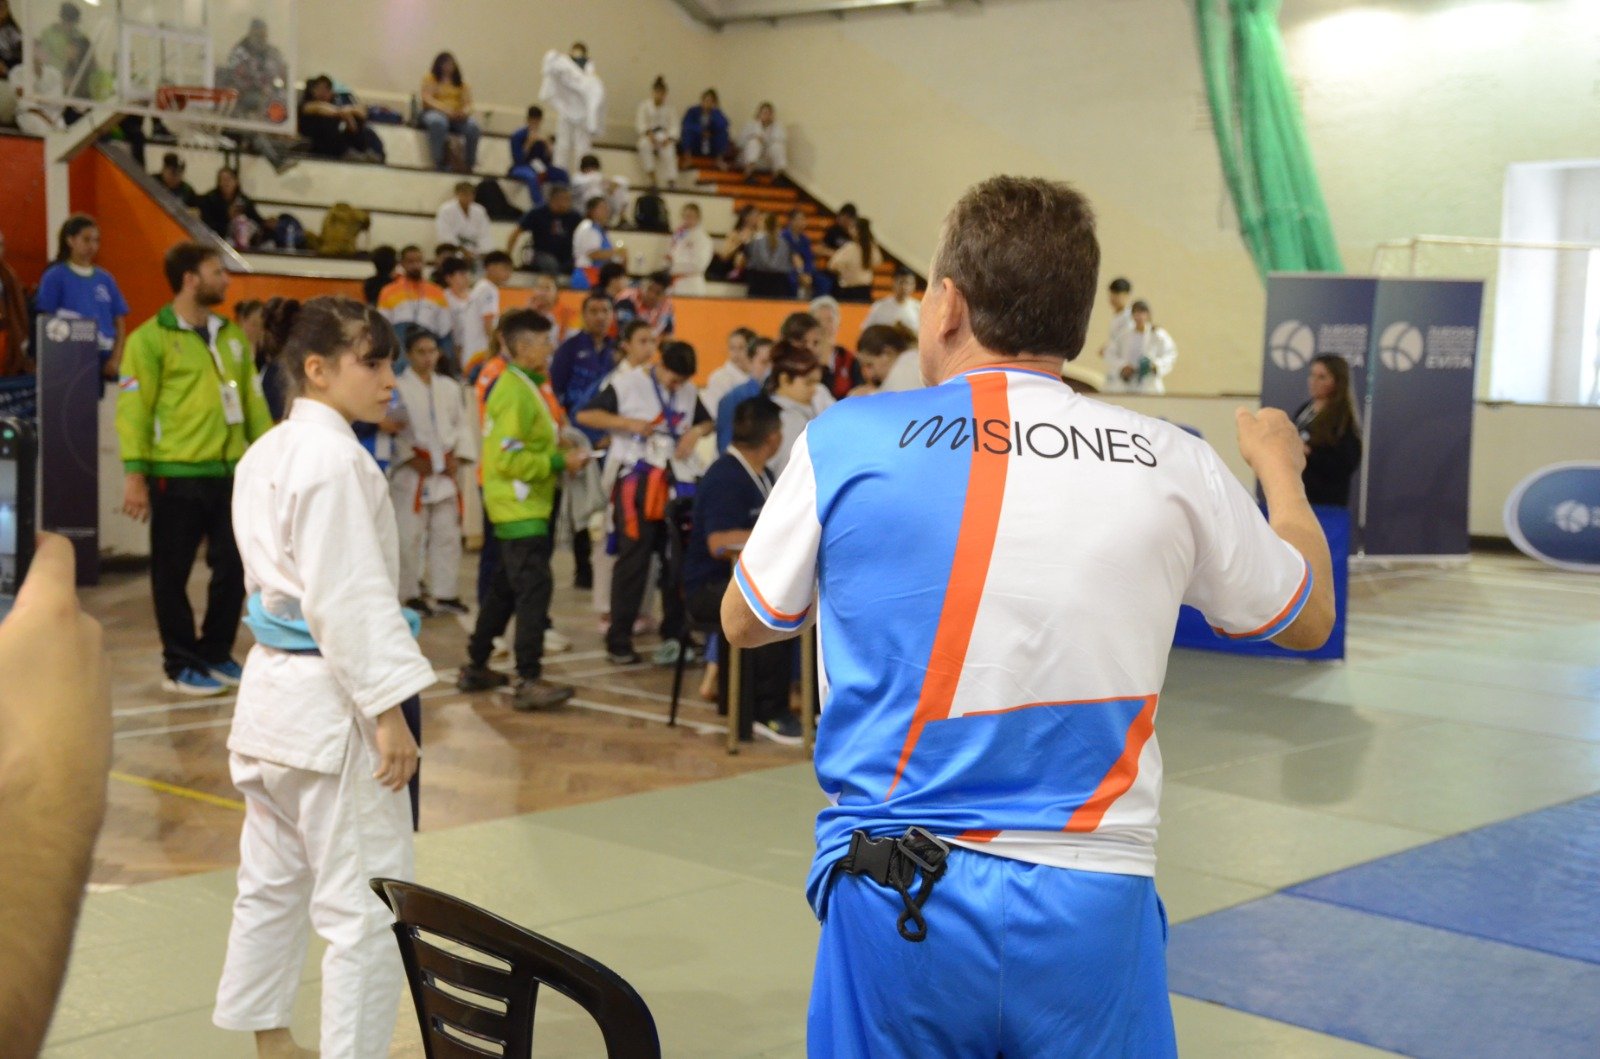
x: 440, y: 435
x: 319, y: 747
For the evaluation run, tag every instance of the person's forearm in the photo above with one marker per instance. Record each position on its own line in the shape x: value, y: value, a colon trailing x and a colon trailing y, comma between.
x: 595, y: 419
x: 49, y: 818
x: 1291, y: 518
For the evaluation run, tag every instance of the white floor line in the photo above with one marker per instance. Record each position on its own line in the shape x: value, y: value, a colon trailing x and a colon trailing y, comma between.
x: 173, y: 728
x: 622, y: 689
x: 185, y: 704
x: 700, y: 727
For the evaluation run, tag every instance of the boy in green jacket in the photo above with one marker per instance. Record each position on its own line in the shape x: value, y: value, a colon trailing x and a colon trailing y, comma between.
x: 188, y: 404
x: 523, y: 460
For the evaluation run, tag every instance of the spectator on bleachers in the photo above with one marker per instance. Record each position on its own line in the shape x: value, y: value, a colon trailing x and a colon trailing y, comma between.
x: 447, y: 108
x: 690, y: 254
x: 10, y: 40
x: 843, y: 228
x: 64, y: 47
x: 474, y: 307
x: 655, y: 420
x: 735, y: 371
x: 243, y: 231
x: 552, y: 227
x: 410, y: 301
x: 885, y: 362
x: 591, y: 182
x: 841, y: 372
x: 335, y: 130
x: 463, y: 223
x: 172, y: 181
x: 899, y: 307
x: 440, y: 434
x: 592, y: 245
x: 14, y: 359
x: 760, y: 367
x: 256, y: 69
x: 656, y: 122
x: 573, y: 89
x: 854, y: 263
x: 808, y: 280
x: 582, y: 362
x: 648, y: 302
x: 764, y: 143
x: 31, y: 114
x: 74, y: 285
x: 727, y: 500
x: 770, y: 262
x: 728, y: 261
x: 531, y: 160
x: 793, y: 382
x: 384, y: 261
x: 705, y: 129
x: 216, y: 206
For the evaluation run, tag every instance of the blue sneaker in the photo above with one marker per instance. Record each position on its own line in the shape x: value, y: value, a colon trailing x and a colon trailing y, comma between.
x: 194, y: 682
x: 228, y: 672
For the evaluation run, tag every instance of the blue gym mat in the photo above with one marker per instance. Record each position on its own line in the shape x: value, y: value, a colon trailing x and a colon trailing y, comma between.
x: 1486, y: 944
x: 1532, y: 881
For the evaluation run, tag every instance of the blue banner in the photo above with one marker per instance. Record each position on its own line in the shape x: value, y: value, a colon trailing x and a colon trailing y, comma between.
x: 1553, y: 515
x: 1419, y: 432
x: 1195, y: 632
x: 1310, y: 315
x: 69, y: 437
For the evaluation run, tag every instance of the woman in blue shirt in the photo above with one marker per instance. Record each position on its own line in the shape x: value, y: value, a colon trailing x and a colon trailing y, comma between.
x: 73, y: 286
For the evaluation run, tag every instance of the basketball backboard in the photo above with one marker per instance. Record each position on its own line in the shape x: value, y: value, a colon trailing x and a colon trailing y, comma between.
x: 140, y: 56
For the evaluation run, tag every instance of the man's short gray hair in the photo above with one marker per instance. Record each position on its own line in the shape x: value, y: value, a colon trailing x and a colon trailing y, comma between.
x: 824, y: 302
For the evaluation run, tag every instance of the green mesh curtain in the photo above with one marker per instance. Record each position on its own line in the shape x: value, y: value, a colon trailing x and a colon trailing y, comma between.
x: 1266, y: 160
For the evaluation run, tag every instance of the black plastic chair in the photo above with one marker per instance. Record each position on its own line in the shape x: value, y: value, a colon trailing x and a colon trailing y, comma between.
x: 459, y: 999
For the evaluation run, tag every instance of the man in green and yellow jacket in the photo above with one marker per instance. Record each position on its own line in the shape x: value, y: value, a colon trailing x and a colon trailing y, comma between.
x: 523, y: 461
x: 188, y: 404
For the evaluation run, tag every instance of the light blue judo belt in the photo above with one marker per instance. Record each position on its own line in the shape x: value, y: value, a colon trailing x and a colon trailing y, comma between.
x: 293, y: 635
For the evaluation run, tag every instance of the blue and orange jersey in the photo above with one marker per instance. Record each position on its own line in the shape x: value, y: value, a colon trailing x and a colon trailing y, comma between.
x: 995, y: 566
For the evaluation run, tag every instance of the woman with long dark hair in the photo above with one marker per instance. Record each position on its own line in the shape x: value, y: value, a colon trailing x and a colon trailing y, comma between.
x: 217, y: 206
x: 1331, y: 429
x: 854, y: 263
x: 447, y: 108
x: 320, y: 746
x: 770, y: 262
x: 74, y: 285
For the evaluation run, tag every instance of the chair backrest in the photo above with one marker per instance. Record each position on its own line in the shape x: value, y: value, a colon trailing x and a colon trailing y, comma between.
x: 483, y: 1005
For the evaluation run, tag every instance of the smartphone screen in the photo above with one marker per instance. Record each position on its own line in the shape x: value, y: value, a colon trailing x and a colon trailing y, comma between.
x: 8, y: 528
x: 16, y: 508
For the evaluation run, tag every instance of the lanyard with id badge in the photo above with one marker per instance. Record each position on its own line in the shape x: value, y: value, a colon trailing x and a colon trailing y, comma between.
x: 232, y: 402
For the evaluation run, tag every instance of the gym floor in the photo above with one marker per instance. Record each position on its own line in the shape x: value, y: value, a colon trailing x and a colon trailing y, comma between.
x: 1393, y: 855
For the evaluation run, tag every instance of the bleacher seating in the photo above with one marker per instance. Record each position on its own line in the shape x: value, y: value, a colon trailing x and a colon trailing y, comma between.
x: 403, y: 195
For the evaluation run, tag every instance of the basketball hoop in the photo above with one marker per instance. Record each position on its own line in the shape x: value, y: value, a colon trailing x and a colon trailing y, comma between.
x: 188, y: 111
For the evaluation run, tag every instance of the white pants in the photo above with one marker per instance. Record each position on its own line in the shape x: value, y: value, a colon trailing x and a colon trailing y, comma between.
x: 659, y: 163
x: 430, y: 540
x: 311, y: 842
x: 572, y: 143
x: 761, y: 156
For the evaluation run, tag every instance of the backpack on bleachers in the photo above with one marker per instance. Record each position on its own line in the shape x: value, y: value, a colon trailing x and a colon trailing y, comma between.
x: 341, y: 228
x: 492, y: 197
x: 650, y: 213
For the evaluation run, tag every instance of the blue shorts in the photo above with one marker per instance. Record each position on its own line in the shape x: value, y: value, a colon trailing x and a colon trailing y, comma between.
x: 1021, y: 960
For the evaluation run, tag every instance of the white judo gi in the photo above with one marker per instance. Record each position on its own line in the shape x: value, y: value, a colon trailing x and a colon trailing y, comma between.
x: 578, y: 97
x: 657, y: 129
x: 316, y: 532
x: 764, y: 146
x: 1151, y: 354
x: 427, y: 507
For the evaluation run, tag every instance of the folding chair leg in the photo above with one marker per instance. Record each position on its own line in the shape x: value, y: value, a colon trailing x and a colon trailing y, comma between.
x: 677, y: 679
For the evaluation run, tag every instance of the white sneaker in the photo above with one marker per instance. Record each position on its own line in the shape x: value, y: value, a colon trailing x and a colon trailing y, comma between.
x: 555, y: 643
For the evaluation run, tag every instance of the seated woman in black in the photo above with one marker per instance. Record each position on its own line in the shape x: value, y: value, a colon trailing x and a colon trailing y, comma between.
x: 1331, y: 431
x: 334, y: 130
x: 216, y: 205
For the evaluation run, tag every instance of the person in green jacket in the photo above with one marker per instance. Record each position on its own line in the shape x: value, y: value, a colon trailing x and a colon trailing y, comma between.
x: 188, y: 404
x: 523, y: 460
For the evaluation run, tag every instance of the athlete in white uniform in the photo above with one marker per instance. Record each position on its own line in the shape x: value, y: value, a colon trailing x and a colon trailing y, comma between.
x: 440, y: 435
x: 319, y: 747
x: 987, y: 742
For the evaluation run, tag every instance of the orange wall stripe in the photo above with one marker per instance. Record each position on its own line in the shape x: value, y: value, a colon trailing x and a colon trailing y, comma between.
x: 969, y: 569
x: 1087, y: 817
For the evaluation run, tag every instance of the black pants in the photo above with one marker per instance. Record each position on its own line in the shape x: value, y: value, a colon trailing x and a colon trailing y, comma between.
x: 183, y: 512
x: 488, y: 555
x: 582, y: 547
x: 631, y: 575
x: 522, y: 586
x: 766, y: 669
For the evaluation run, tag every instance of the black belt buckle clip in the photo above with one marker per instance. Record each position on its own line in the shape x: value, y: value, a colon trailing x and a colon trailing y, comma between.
x: 930, y: 863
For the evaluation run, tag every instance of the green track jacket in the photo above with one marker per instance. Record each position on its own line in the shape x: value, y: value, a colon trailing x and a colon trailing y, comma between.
x: 169, y: 402
x: 521, y: 462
